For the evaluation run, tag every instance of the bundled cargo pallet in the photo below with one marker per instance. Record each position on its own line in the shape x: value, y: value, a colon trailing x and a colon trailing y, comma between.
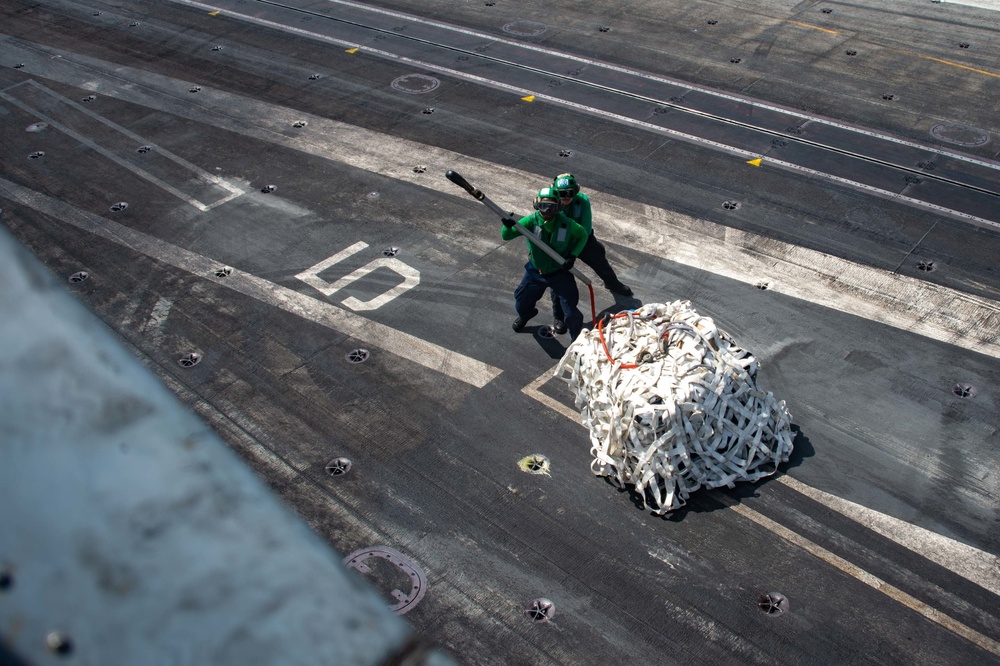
x: 672, y: 405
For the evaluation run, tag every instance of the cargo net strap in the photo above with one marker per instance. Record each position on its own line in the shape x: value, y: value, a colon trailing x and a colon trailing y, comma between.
x: 672, y: 405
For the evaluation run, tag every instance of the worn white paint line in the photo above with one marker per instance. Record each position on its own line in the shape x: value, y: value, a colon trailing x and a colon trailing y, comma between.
x: 903, y: 302
x: 888, y: 194
x: 157, y: 320
x: 200, y: 173
x: 651, y: 127
x: 106, y: 153
x: 899, y: 301
x: 124, y: 131
x: 981, y: 4
x: 393, y: 157
x: 860, y: 574
x: 577, y: 59
x: 429, y: 355
x: 971, y: 563
x: 532, y: 390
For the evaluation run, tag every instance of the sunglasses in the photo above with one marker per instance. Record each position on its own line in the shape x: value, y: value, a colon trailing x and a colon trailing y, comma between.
x: 565, y: 194
x: 547, y: 207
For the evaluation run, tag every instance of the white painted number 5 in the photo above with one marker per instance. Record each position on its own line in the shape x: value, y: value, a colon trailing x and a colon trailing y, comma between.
x: 411, y: 278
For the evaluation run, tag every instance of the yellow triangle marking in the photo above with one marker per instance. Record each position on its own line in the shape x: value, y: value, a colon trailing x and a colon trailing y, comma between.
x: 354, y: 50
x: 755, y: 162
x: 529, y: 98
x: 215, y: 13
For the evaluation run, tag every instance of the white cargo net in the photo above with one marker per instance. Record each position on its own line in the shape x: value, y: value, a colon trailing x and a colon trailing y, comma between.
x: 677, y: 409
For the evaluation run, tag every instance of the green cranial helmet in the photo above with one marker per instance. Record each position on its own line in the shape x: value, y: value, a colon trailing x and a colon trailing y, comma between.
x: 547, y: 200
x: 566, y: 185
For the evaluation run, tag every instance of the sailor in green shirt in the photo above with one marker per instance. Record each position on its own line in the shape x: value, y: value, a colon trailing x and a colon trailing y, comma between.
x: 576, y: 205
x: 542, y: 272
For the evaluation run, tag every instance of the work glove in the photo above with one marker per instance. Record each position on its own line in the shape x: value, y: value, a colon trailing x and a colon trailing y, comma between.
x: 568, y: 264
x: 508, y: 222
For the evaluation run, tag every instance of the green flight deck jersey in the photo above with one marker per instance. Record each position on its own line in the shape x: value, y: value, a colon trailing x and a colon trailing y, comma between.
x: 579, y: 209
x: 560, y: 233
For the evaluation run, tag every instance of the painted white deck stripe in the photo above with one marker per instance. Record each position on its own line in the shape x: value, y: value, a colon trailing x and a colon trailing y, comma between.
x: 902, y: 302
x: 585, y: 61
x: 106, y: 153
x: 905, y: 303
x: 974, y: 565
x: 860, y: 574
x: 970, y: 563
x: 532, y: 390
x: 311, y: 275
x: 392, y: 157
x: 981, y: 4
x: 201, y: 173
x: 429, y: 355
x: 651, y: 127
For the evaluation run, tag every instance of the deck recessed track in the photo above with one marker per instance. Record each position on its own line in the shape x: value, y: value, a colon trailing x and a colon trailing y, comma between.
x: 954, y: 184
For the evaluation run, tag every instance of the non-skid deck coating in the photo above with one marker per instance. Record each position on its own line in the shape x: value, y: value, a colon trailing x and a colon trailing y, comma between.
x: 855, y: 156
x: 882, y: 535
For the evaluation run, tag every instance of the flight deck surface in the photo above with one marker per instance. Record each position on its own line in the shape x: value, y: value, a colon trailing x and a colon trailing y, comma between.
x: 292, y: 263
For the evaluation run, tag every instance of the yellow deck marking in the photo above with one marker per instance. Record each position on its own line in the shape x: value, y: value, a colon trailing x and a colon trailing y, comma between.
x: 953, y: 64
x: 919, y: 55
x: 755, y: 162
x: 529, y: 98
x: 354, y: 50
x: 215, y: 13
x: 814, y: 27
